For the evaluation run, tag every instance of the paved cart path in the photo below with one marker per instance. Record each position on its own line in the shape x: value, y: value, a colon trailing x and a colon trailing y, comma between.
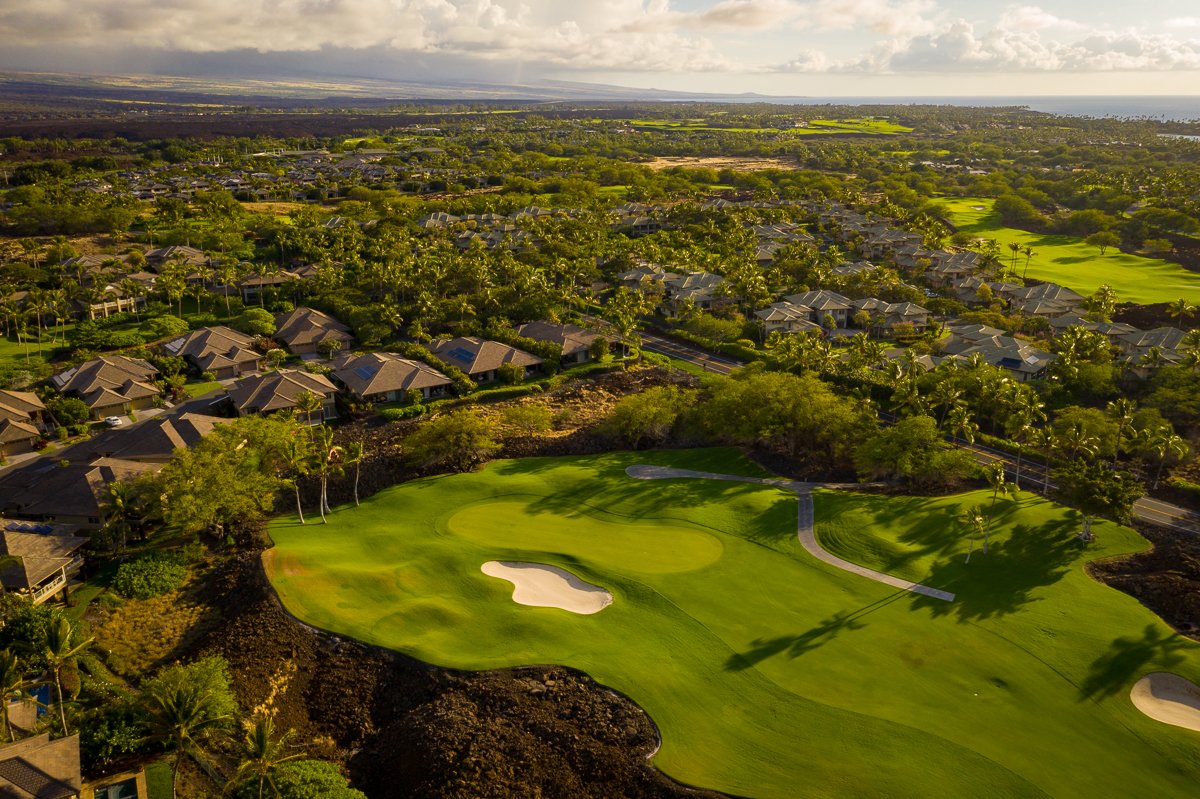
x: 804, y: 521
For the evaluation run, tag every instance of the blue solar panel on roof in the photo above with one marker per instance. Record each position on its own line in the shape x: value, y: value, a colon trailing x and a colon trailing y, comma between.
x: 461, y: 354
x: 366, y: 372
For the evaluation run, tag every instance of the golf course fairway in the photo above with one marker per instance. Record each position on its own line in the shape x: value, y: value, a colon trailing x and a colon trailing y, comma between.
x: 1071, y: 262
x: 769, y: 673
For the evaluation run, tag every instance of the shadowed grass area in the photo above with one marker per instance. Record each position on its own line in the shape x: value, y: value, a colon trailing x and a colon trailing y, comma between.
x: 1070, y: 262
x: 769, y: 673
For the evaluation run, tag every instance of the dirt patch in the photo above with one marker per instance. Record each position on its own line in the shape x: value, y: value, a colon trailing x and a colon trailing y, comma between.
x: 741, y: 164
x: 406, y: 729
x: 288, y: 567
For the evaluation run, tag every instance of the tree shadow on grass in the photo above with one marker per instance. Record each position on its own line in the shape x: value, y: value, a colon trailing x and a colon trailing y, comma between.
x: 796, y: 645
x: 1127, y: 656
x: 1006, y: 578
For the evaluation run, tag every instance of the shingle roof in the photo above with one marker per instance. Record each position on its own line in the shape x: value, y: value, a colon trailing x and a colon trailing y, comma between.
x: 381, y: 372
x: 571, y: 338
x: 108, y: 381
x: 309, y: 326
x: 214, y: 347
x: 277, y: 391
x: 476, y: 355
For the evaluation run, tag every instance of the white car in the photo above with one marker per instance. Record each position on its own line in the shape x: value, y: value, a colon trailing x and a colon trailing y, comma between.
x: 114, y: 421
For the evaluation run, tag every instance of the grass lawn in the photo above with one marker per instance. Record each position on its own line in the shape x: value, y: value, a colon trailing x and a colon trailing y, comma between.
x: 816, y: 127
x: 1066, y: 260
x: 199, y: 388
x: 769, y: 673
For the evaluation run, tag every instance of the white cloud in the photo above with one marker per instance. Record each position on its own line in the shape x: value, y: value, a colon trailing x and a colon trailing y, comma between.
x: 584, y: 35
x: 1032, y: 18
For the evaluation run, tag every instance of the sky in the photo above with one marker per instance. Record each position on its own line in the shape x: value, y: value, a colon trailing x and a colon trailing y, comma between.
x: 776, y: 47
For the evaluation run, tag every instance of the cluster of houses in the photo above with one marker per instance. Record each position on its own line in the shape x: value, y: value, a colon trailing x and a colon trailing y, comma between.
x: 826, y: 311
x: 69, y: 487
x: 301, y: 175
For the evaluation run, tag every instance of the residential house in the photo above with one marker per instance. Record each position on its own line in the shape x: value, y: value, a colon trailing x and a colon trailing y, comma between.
x: 1023, y: 361
x: 38, y: 559
x: 701, y: 290
x: 113, y: 385
x: 74, y: 494
x: 187, y: 256
x: 22, y: 421
x: 303, y: 330
x: 220, y: 350
x: 253, y: 287
x: 576, y: 342
x: 480, y: 358
x: 280, y: 391
x: 41, y: 768
x: 1166, y: 341
x: 153, y: 441
x: 822, y: 304
x: 387, y: 377
x: 787, y: 317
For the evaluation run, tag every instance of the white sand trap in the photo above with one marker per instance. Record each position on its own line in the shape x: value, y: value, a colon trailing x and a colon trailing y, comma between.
x: 544, y: 586
x: 1168, y: 698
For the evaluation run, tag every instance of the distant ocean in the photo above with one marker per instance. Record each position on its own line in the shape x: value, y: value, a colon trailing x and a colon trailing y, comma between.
x: 1172, y: 108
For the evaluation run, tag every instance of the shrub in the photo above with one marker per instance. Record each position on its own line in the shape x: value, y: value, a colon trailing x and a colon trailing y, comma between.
x: 400, y: 414
x: 162, y: 327
x: 254, y: 322
x: 149, y: 576
x: 510, y: 373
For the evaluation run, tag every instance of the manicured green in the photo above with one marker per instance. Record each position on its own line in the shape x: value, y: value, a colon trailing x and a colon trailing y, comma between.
x: 769, y: 673
x: 1070, y: 262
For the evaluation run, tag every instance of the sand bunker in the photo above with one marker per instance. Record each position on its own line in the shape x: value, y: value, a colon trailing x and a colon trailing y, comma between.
x: 549, y: 587
x: 1168, y: 698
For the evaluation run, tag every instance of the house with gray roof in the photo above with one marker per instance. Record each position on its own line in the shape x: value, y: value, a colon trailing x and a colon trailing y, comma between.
x: 41, y: 768
x: 387, y: 377
x: 303, y: 330
x: 112, y: 385
x: 480, y: 358
x: 280, y: 391
x: 576, y: 342
x: 221, y: 350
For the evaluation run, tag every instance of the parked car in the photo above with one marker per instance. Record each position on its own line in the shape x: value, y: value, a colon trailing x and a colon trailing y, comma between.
x: 114, y: 421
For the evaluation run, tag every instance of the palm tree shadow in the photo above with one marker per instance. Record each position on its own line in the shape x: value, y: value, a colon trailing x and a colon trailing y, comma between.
x: 1127, y: 656
x: 796, y: 645
x: 1008, y: 576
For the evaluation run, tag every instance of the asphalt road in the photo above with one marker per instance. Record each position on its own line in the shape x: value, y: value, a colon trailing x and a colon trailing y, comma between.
x: 710, y: 362
x: 1033, y: 475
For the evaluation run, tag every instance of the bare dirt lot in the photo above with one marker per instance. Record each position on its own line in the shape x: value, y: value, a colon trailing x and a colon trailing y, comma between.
x: 723, y: 162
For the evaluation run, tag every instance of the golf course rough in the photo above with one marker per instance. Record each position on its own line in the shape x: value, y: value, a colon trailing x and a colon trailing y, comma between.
x: 769, y: 673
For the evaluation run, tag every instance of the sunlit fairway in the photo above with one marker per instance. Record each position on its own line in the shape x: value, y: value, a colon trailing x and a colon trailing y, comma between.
x: 769, y: 673
x: 816, y: 127
x: 1070, y: 262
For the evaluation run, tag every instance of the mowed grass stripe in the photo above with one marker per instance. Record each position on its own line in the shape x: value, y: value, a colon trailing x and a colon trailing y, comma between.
x: 769, y: 673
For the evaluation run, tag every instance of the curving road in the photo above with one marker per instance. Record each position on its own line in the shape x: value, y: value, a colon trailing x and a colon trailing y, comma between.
x: 804, y: 522
x: 1033, y: 475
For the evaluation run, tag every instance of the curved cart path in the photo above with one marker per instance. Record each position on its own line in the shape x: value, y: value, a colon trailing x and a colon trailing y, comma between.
x: 804, y: 521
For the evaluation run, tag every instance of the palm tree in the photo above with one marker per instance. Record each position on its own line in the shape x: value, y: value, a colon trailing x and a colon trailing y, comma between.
x: 354, y: 457
x: 118, y: 508
x: 994, y: 474
x: 972, y: 518
x: 1015, y: 248
x: 1165, y: 444
x: 961, y: 425
x: 183, y: 715
x: 62, y: 650
x: 1028, y: 253
x: 326, y: 459
x: 1121, y: 412
x: 296, y: 457
x: 1179, y: 310
x: 12, y: 686
x: 308, y: 403
x: 262, y: 753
